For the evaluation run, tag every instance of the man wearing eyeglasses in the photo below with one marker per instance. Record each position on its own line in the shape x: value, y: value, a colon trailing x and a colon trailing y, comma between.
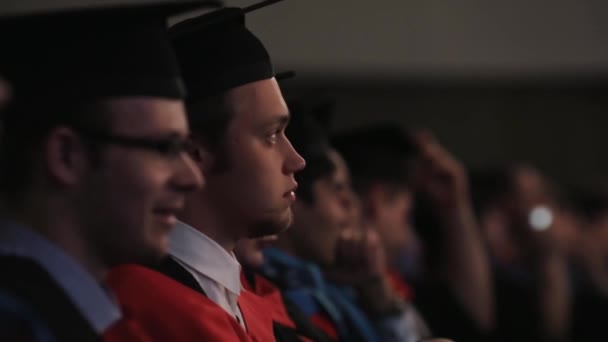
x: 93, y: 164
x: 238, y: 117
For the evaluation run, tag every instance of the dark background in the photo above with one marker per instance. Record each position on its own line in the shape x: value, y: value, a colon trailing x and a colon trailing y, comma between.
x: 495, y: 80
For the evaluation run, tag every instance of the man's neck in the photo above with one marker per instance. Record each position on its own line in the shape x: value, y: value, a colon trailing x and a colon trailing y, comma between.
x: 212, y: 222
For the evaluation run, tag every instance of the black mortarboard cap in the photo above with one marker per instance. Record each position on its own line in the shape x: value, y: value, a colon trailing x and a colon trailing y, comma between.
x: 217, y: 52
x: 92, y: 53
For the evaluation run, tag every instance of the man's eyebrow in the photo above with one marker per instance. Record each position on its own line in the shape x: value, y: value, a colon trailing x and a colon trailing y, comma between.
x: 173, y: 135
x: 280, y: 120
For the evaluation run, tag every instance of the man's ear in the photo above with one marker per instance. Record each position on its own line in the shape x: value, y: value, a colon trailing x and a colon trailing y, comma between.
x: 194, y: 150
x: 201, y: 155
x: 65, y: 156
x: 374, y: 200
x: 495, y: 227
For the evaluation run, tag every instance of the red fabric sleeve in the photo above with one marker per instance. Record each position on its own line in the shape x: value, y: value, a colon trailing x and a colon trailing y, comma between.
x: 158, y: 308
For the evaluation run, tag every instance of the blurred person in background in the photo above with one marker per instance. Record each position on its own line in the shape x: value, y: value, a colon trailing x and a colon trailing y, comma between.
x: 391, y: 170
x: 527, y: 235
x: 290, y: 323
x: 5, y: 92
x: 328, y: 263
x: 587, y: 208
x: 5, y: 95
x: 590, y: 210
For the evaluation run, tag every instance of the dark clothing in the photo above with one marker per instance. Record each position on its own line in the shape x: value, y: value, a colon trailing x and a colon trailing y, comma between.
x: 517, y: 307
x: 34, y: 287
x: 590, y: 316
x: 444, y: 314
x: 169, y: 267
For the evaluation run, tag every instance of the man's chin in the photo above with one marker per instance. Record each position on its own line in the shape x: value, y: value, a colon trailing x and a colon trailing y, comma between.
x: 149, y: 258
x: 150, y: 254
x: 254, y: 262
x: 270, y: 227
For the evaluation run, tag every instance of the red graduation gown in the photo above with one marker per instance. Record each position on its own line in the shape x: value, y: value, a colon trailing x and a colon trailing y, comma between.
x: 272, y: 301
x: 399, y: 284
x: 323, y: 322
x: 161, y: 309
x: 257, y: 315
x: 270, y: 298
x: 126, y: 330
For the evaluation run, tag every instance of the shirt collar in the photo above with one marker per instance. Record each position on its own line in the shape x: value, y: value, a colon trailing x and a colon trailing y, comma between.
x: 206, y: 256
x: 85, y: 292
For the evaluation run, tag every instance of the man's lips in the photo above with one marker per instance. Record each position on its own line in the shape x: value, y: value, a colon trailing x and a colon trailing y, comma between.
x: 168, y: 214
x: 291, y: 194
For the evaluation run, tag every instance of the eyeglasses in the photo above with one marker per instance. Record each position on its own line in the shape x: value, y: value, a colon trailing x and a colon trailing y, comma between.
x: 170, y: 147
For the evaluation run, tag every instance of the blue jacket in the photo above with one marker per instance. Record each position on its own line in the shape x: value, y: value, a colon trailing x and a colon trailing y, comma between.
x: 303, y: 283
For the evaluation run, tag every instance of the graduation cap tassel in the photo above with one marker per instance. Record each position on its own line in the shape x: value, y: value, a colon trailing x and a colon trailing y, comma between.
x: 259, y: 5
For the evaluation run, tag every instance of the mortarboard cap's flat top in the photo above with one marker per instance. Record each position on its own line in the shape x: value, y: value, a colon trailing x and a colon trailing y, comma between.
x: 92, y: 53
x: 217, y: 52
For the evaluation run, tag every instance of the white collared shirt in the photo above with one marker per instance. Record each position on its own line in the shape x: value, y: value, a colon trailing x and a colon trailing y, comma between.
x: 216, y: 270
x: 92, y: 301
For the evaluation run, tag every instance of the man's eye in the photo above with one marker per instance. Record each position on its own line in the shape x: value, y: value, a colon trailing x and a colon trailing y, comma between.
x: 274, y: 136
x: 171, y: 148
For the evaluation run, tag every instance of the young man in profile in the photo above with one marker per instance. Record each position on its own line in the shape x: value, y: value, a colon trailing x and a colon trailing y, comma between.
x: 238, y: 117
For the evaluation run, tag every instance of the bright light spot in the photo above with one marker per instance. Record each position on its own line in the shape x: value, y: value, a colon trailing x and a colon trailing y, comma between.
x: 540, y: 218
